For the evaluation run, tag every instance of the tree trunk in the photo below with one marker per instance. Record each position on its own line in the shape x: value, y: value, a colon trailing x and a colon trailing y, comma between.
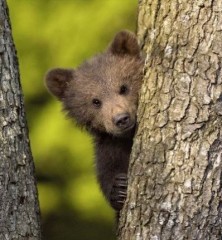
x: 19, y: 210
x: 175, y: 171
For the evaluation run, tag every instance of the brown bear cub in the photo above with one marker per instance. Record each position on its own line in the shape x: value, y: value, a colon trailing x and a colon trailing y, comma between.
x: 102, y: 96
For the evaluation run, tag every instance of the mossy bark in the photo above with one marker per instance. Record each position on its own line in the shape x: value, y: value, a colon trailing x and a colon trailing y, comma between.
x: 19, y: 210
x: 176, y: 169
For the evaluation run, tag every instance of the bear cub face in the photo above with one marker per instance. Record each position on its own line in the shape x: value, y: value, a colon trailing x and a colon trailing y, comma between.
x: 102, y: 93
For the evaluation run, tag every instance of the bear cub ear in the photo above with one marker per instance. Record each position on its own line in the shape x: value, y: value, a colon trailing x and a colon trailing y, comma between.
x: 57, y: 80
x: 125, y: 42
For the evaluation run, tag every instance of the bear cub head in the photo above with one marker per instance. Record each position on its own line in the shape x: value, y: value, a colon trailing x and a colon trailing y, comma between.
x: 102, y: 93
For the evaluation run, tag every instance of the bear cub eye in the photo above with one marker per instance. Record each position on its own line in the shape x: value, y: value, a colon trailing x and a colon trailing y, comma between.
x: 123, y: 90
x: 97, y: 103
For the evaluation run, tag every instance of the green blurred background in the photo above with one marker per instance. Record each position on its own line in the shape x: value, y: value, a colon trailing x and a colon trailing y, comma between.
x: 50, y: 33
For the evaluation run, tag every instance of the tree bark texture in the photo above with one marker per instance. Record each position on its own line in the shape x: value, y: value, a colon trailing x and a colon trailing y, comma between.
x: 175, y: 171
x: 19, y: 210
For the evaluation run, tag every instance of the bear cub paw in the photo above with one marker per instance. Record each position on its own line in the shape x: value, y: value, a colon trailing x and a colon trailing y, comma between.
x: 119, y: 191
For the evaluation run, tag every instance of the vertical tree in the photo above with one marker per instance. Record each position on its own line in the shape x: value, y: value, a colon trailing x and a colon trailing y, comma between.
x: 19, y: 210
x: 175, y: 172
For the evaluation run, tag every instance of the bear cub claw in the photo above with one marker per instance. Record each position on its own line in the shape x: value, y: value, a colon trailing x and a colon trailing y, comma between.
x: 119, y: 191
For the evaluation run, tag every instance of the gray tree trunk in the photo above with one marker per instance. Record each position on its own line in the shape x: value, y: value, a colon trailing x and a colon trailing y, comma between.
x: 175, y: 174
x: 19, y: 209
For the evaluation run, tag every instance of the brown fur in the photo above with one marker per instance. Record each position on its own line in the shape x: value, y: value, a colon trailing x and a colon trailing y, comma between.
x: 112, y: 78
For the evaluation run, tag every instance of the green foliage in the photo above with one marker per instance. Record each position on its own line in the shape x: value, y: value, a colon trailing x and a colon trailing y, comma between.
x: 63, y: 33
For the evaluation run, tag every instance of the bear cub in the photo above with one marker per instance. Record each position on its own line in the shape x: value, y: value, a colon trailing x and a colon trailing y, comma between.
x: 102, y: 96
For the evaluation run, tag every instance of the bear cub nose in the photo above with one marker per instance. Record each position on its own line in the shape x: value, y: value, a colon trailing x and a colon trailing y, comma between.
x: 122, y: 120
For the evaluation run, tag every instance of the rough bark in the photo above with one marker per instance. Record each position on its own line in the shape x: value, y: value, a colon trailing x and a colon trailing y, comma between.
x: 19, y: 210
x: 175, y: 171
